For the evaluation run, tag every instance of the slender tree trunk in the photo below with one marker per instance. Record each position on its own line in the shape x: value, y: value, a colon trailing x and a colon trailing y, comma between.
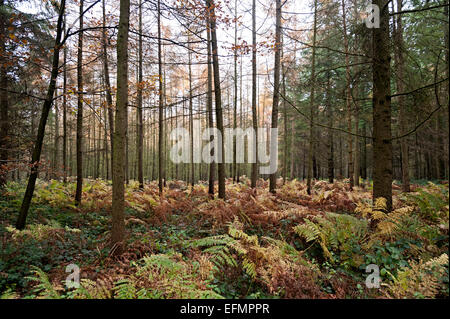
x: 364, y: 153
x: 64, y: 151
x: 330, y: 132
x: 348, y: 100
x: 107, y: 83
x: 276, y: 92
x: 118, y: 200
x: 254, y: 176
x: 235, y: 92
x: 80, y: 111
x: 191, y: 119
x: 212, y: 165
x: 218, y: 97
x: 161, y: 114
x: 42, y: 122
x: 382, y: 142
x: 311, y: 104
x: 56, y: 140
x: 399, y: 48
x: 140, y: 130
x: 4, y: 105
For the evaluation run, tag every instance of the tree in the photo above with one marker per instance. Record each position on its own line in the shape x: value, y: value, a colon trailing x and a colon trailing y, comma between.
x: 160, y: 107
x: 4, y: 105
x: 218, y: 96
x: 276, y: 87
x: 118, y: 199
x: 400, y: 72
x: 212, y: 165
x: 107, y: 84
x: 382, y: 134
x: 254, y: 88
x: 311, y: 103
x: 140, y: 128
x: 20, y: 224
x: 348, y: 100
x: 79, y: 188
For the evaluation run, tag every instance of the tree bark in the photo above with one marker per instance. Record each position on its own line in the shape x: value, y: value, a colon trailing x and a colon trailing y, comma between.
x: 80, y: 111
x: 218, y: 97
x: 254, y: 176
x: 4, y: 105
x: 311, y: 104
x: 399, y: 48
x: 118, y: 200
x: 212, y: 165
x: 140, y: 128
x: 160, y: 106
x: 276, y: 90
x: 107, y: 83
x: 382, y: 134
x: 348, y: 100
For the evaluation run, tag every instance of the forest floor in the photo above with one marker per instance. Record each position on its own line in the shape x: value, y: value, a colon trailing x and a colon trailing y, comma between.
x: 253, y: 245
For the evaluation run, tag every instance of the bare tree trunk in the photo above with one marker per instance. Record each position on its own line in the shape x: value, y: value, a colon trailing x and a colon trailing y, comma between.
x: 218, y: 97
x: 56, y: 140
x: 399, y: 48
x: 235, y: 92
x: 64, y: 152
x: 276, y: 91
x: 108, y: 87
x: 80, y: 111
x: 140, y: 128
x: 330, y: 132
x: 382, y: 142
x: 118, y: 200
x: 4, y: 105
x: 191, y: 118
x: 348, y: 100
x: 311, y: 104
x: 42, y: 122
x: 254, y: 176
x: 161, y: 114
x: 212, y: 165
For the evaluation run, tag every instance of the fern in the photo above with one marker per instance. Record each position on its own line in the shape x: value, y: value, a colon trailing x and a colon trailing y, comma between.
x: 224, y: 247
x: 334, y: 232
x: 44, y: 288
x: 420, y: 280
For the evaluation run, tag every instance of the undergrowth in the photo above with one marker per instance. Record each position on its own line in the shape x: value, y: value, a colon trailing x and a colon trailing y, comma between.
x: 253, y: 245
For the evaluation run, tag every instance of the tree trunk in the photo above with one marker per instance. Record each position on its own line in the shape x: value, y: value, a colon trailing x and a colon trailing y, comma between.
x: 330, y: 132
x: 311, y: 104
x: 64, y: 151
x: 4, y: 120
x: 382, y: 142
x: 400, y: 80
x: 80, y: 111
x: 218, y: 98
x: 235, y: 91
x: 118, y: 200
x: 42, y: 122
x: 276, y: 94
x: 140, y: 128
x: 108, y: 87
x: 160, y: 106
x: 212, y: 165
x: 254, y: 176
x: 348, y: 100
